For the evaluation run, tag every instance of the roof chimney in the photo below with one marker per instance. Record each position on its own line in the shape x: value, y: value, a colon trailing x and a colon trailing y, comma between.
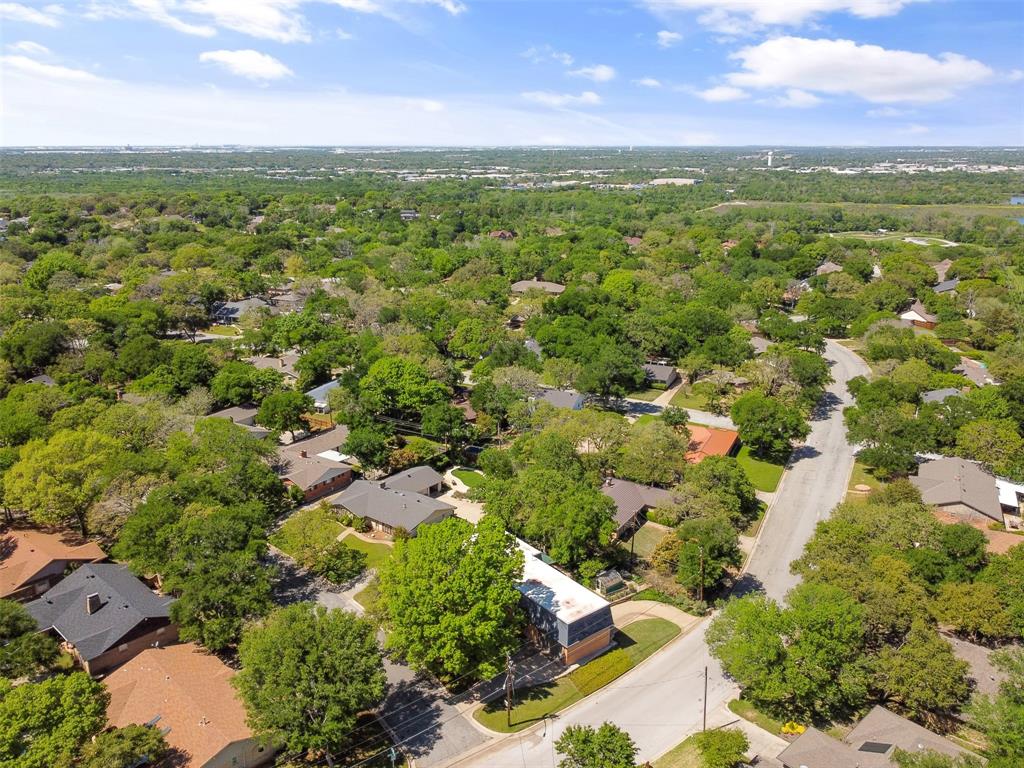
x: 303, y: 454
x: 92, y: 602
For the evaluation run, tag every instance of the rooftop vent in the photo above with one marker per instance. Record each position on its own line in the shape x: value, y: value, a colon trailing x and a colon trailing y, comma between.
x: 93, y: 602
x: 875, y: 747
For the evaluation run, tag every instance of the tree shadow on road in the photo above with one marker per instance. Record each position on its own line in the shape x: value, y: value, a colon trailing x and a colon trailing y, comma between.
x: 747, y: 584
x: 827, y: 405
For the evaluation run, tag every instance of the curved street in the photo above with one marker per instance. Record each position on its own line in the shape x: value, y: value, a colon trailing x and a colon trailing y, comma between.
x: 661, y: 701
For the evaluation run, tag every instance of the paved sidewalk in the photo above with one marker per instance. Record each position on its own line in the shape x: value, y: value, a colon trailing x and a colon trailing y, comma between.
x: 762, y: 743
x: 635, y: 610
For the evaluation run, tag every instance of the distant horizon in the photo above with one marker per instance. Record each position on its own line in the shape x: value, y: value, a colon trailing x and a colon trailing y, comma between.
x: 543, y: 147
x: 512, y: 73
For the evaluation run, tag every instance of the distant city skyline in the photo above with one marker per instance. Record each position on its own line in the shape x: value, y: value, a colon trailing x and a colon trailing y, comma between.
x: 459, y: 72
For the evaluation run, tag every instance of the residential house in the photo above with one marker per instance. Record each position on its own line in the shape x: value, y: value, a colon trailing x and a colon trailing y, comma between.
x: 289, y: 302
x: 43, y: 379
x: 403, y: 500
x: 244, y: 416
x: 919, y: 316
x: 502, y: 234
x: 661, y: 376
x: 229, y: 312
x: 1011, y: 500
x: 104, y: 615
x: 408, y: 215
x: 975, y: 372
x: 319, y: 394
x: 523, y: 286
x: 828, y: 268
x: 315, y: 465
x: 186, y: 693
x: 794, y: 290
x: 283, y: 364
x: 760, y: 344
x: 562, y: 398
x: 633, y: 242
x: 961, y: 488
x: 946, y: 286
x: 710, y: 441
x: 632, y: 502
x: 940, y: 395
x: 871, y: 744
x: 565, y: 616
x: 32, y: 561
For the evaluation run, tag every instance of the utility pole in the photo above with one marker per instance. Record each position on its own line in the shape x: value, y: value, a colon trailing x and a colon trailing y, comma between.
x: 509, y: 688
x: 700, y: 548
x: 705, y: 725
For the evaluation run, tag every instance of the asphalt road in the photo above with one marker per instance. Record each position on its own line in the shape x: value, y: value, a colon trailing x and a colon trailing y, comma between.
x: 815, y: 483
x: 661, y: 702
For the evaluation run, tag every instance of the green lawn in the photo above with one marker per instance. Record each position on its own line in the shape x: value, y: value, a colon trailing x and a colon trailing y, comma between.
x: 748, y: 711
x: 636, y: 642
x: 222, y: 330
x: 368, y: 596
x: 683, y: 755
x: 645, y: 418
x: 645, y: 540
x: 470, y: 477
x: 685, y: 398
x: 647, y: 395
x: 375, y: 553
x: 765, y: 475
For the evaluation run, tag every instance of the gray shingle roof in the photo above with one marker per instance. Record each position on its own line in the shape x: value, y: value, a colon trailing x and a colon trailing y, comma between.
x: 319, y: 394
x: 391, y: 507
x: 632, y: 498
x: 125, y: 603
x: 562, y: 398
x: 939, y: 395
x: 947, y: 285
x: 663, y: 374
x: 522, y: 286
x: 414, y: 480
x: 949, y: 481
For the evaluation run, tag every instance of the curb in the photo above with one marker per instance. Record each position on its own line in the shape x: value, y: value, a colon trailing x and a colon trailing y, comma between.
x: 503, y: 737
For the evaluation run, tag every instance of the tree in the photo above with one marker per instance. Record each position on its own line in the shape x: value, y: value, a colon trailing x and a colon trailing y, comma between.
x: 608, y: 746
x: 307, y: 673
x: 1001, y: 717
x: 58, y: 480
x: 929, y: 758
x: 708, y: 546
x: 802, y: 661
x: 922, y: 675
x: 371, y: 443
x: 722, y: 748
x: 339, y: 563
x: 237, y: 383
x: 395, y: 386
x: 124, y: 748
x: 217, y: 596
x: 42, y: 725
x: 284, y: 411
x: 449, y: 597
x: 23, y: 650
x: 731, y: 486
x: 973, y: 609
x: 653, y: 453
x: 768, y: 425
x: 995, y: 443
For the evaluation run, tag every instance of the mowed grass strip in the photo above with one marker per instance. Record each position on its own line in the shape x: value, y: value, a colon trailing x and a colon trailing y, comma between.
x: 765, y: 475
x: 637, y: 642
x: 376, y: 552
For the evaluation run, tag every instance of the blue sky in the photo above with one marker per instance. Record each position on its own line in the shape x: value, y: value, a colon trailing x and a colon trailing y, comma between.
x: 456, y: 72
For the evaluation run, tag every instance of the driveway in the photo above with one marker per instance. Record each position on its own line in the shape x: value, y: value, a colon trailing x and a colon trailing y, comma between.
x: 637, y: 408
x: 661, y: 702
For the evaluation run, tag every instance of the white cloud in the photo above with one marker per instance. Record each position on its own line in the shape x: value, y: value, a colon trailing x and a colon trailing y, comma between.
x: 648, y: 82
x: 549, y: 99
x: 427, y: 105
x: 46, y: 16
x: 737, y: 17
x: 599, y: 73
x: 47, y: 71
x: 1015, y: 75
x: 871, y: 72
x: 889, y: 112
x: 342, y: 34
x: 29, y: 48
x: 667, y: 39
x: 721, y: 93
x: 915, y: 129
x: 794, y: 97
x: 247, y: 63
x: 279, y: 20
x: 538, y: 54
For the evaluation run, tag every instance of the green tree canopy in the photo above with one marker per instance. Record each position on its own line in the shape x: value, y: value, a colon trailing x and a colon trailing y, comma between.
x: 607, y: 746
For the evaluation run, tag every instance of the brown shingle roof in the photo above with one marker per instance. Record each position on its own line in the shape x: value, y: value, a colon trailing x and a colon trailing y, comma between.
x: 23, y: 554
x: 189, y: 689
